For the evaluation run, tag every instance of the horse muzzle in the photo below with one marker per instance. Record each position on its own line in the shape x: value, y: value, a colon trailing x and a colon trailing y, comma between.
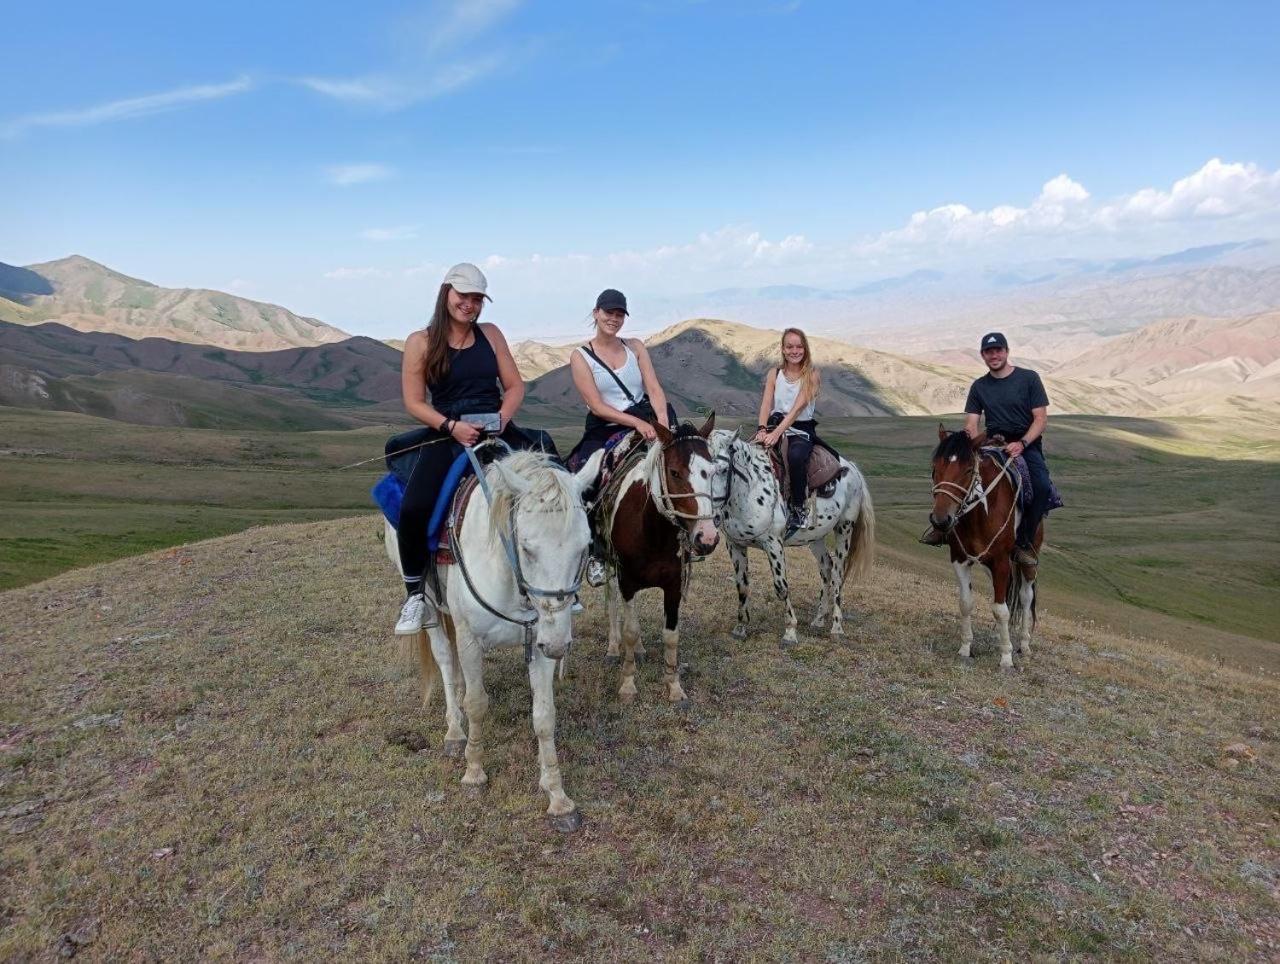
x: 703, y: 542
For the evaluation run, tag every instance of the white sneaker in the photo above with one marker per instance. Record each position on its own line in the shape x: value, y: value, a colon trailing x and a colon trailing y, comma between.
x: 577, y: 606
x: 418, y: 613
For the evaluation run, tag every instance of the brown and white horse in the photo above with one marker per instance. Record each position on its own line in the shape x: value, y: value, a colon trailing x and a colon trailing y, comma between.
x: 657, y: 515
x: 975, y: 502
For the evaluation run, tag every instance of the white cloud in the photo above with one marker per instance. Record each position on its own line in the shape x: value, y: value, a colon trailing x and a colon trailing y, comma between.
x: 131, y: 107
x: 356, y: 274
x: 344, y: 175
x: 402, y: 232
x: 1064, y: 207
x: 423, y: 69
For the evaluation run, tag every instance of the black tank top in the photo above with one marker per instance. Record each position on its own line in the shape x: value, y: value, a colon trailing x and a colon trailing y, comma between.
x: 471, y: 385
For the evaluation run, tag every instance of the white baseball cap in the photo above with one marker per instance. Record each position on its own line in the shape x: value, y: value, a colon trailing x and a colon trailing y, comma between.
x: 467, y: 279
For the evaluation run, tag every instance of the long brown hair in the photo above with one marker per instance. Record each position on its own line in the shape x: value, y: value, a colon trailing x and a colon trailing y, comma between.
x: 810, y: 379
x: 437, y: 358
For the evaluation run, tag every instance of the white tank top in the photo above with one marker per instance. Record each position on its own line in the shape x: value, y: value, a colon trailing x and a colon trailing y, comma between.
x: 784, y: 396
x: 629, y: 374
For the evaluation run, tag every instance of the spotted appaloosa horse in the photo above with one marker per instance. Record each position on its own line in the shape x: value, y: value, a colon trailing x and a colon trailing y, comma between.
x: 975, y: 502
x: 657, y: 516
x: 752, y: 513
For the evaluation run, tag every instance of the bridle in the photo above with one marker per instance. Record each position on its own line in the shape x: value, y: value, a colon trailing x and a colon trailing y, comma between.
x: 664, y: 501
x: 969, y: 497
x: 529, y: 592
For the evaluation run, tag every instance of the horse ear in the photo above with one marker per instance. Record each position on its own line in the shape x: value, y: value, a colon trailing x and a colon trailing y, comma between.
x: 517, y: 484
x: 708, y: 425
x: 942, y: 432
x: 664, y: 434
x: 586, y: 476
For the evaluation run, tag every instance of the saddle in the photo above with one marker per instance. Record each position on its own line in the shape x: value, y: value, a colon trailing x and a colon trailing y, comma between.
x: 1019, y: 467
x: 461, y: 496
x: 822, y: 471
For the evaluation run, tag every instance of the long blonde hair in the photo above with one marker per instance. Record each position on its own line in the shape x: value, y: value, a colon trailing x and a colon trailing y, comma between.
x: 810, y: 378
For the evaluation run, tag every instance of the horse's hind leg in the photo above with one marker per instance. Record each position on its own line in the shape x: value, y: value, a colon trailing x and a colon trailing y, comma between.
x: 964, y: 582
x: 742, y: 577
x: 1027, y: 592
x: 562, y: 811
x: 778, y: 563
x: 833, y: 582
x: 614, y: 596
x: 823, y: 558
x: 476, y: 703
x: 630, y: 636
x: 671, y: 646
x: 1000, y: 577
x: 440, y: 641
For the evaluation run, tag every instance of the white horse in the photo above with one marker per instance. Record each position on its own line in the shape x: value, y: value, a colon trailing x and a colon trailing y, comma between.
x: 519, y: 565
x: 751, y: 512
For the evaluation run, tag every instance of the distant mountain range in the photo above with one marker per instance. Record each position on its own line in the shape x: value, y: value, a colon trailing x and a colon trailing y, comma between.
x: 87, y: 296
x: 1196, y: 364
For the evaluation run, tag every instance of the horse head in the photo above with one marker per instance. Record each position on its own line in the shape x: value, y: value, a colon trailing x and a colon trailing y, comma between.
x: 684, y: 473
x: 537, y: 510
x: 955, y: 471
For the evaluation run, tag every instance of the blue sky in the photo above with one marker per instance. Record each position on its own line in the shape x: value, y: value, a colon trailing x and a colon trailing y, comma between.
x: 336, y: 160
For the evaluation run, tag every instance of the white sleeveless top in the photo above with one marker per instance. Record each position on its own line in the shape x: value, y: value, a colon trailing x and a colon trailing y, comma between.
x: 784, y: 396
x: 629, y: 374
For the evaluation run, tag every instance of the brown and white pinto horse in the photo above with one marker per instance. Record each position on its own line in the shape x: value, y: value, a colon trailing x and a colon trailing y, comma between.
x: 657, y: 516
x: 975, y: 502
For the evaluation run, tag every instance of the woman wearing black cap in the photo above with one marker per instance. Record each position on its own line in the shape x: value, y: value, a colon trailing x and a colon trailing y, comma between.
x: 616, y: 379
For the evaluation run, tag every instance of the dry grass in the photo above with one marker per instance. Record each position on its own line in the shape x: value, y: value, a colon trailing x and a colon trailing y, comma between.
x: 196, y: 763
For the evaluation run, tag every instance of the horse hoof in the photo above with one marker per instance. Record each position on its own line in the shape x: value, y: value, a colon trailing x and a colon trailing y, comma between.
x: 682, y: 706
x: 612, y: 659
x: 787, y: 643
x: 566, y: 822
x: 1006, y: 667
x: 739, y: 632
x: 837, y: 631
x: 626, y: 698
x: 454, y: 748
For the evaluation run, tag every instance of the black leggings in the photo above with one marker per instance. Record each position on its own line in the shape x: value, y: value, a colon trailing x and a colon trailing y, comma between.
x: 799, y: 448
x: 421, y: 492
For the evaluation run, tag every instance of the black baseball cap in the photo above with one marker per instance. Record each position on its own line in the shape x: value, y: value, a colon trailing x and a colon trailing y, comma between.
x: 993, y: 339
x: 611, y: 300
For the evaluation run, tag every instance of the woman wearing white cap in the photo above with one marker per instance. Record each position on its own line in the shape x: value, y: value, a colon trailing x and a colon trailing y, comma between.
x: 468, y: 370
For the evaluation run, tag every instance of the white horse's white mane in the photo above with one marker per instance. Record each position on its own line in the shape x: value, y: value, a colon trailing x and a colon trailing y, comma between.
x: 549, y: 485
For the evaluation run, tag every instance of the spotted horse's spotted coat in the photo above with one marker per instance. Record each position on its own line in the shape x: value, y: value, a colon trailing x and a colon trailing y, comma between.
x: 750, y: 512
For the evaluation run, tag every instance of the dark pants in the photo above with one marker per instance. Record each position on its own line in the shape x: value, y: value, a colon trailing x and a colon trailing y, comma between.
x: 1034, y: 456
x: 420, y: 493
x: 799, y: 449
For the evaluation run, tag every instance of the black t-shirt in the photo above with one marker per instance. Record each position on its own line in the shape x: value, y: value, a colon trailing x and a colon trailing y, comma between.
x: 1007, y: 402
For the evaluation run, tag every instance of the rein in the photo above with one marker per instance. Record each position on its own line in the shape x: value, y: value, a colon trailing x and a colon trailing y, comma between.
x: 974, y: 495
x: 526, y: 589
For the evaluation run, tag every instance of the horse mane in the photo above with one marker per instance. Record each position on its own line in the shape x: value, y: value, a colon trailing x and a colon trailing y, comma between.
x: 550, y: 484
x: 957, y: 445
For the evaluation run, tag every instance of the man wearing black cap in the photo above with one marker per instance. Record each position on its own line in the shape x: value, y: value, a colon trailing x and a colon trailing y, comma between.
x: 1014, y: 404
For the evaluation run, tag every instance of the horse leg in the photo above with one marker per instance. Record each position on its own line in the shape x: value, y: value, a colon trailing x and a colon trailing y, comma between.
x: 612, y: 595
x: 844, y: 546
x: 1000, y: 576
x: 671, y: 646
x: 741, y: 575
x: 964, y: 582
x: 1028, y: 594
x: 630, y: 636
x: 823, y: 558
x: 562, y: 813
x: 437, y: 645
x: 476, y: 704
x: 778, y: 563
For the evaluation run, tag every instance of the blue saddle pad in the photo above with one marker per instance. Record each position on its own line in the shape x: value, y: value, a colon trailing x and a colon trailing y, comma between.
x: 388, y: 493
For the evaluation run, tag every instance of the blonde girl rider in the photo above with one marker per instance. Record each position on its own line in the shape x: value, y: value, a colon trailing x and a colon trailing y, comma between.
x: 787, y: 408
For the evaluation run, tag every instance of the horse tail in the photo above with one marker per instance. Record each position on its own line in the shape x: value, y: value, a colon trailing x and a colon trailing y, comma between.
x: 429, y: 669
x: 1013, y: 599
x: 862, y: 550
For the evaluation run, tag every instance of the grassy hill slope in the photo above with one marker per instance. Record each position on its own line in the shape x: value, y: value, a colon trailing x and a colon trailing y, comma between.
x: 88, y: 296
x: 204, y: 756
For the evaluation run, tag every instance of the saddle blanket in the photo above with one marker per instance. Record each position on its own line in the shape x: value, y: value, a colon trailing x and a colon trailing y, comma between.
x: 1025, y: 490
x: 388, y: 495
